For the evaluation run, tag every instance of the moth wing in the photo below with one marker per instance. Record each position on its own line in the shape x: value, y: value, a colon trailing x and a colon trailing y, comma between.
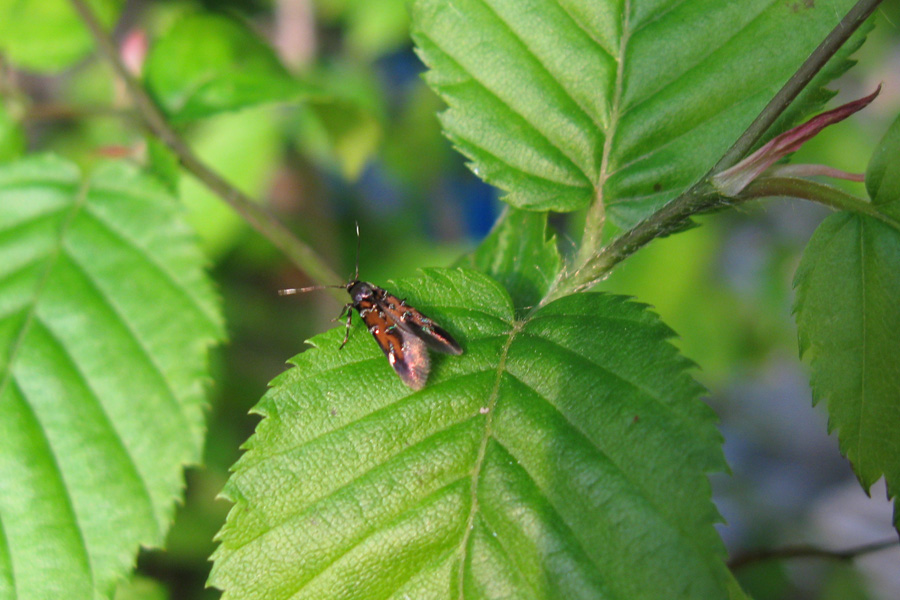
x: 407, y: 317
x: 436, y: 337
x: 406, y: 352
x: 412, y: 363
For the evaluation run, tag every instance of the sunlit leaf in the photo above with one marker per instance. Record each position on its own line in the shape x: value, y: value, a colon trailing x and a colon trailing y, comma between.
x: 559, y: 103
x: 47, y: 35
x: 105, y: 320
x: 562, y: 456
x: 208, y: 63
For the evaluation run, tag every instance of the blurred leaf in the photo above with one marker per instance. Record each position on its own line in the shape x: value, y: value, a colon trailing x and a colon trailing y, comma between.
x: 141, y: 588
x: 244, y: 148
x: 562, y: 456
x: 107, y: 317
x: 375, y: 27
x: 848, y: 283
x: 845, y: 582
x: 552, y: 101
x: 12, y: 138
x: 207, y: 63
x: 163, y: 163
x: 340, y: 135
x: 372, y: 27
x: 415, y: 151
x: 519, y: 255
x: 883, y: 174
x: 47, y: 35
x: 342, y: 130
x: 765, y: 580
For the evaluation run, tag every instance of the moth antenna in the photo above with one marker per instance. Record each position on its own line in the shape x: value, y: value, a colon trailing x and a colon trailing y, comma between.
x: 292, y: 291
x: 356, y: 276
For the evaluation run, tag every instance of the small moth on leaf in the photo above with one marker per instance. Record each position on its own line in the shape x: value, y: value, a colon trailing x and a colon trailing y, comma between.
x: 403, y: 333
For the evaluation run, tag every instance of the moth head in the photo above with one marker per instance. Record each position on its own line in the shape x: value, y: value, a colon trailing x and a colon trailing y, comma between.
x: 360, y: 291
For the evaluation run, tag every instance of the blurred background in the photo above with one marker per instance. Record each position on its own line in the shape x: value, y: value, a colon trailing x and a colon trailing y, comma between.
x: 378, y: 157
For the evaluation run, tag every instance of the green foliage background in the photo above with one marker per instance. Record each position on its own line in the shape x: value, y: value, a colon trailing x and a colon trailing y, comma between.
x: 355, y: 114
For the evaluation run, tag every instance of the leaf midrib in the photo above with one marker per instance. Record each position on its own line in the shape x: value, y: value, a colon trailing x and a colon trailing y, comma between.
x: 862, y: 382
x: 482, y: 453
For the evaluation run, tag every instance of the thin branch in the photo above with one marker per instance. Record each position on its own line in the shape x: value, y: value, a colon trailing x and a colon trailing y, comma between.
x: 792, y: 187
x: 798, y: 81
x: 701, y: 197
x: 807, y: 551
x: 152, y: 117
x: 65, y: 112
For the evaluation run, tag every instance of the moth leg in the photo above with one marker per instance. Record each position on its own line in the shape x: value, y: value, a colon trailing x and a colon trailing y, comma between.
x: 348, y: 308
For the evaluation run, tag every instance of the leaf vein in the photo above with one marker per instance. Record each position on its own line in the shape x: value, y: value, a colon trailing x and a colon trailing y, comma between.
x: 688, y: 536
x: 549, y: 72
x: 658, y: 16
x: 159, y: 267
x: 711, y: 51
x: 436, y: 494
x: 156, y: 369
x: 482, y: 453
x: 288, y: 518
x: 646, y: 392
x: 524, y: 121
x: 107, y: 422
x: 510, y: 560
x: 864, y: 336
x: 67, y: 496
x: 563, y: 5
x: 8, y: 563
x: 34, y: 218
x: 436, y: 561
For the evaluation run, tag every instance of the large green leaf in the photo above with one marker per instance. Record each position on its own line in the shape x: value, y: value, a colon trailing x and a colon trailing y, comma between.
x: 208, y: 63
x: 105, y: 320
x: 562, y: 456
x: 559, y: 102
x: 848, y: 316
x: 47, y: 35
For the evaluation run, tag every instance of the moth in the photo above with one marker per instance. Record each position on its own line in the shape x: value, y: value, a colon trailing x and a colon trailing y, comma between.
x: 402, y: 332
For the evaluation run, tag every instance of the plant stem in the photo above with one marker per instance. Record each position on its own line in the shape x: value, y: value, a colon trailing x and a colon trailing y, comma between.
x: 799, y: 80
x: 804, y: 189
x: 153, y: 119
x: 806, y: 551
x: 701, y: 197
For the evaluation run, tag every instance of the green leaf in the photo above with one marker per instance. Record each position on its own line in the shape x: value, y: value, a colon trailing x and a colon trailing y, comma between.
x: 883, y: 174
x: 244, y: 147
x: 371, y: 27
x: 559, y: 103
x: 848, y: 283
x: 519, y: 255
x: 559, y: 457
x: 163, y: 163
x: 848, y: 318
x: 141, y: 588
x: 208, y: 63
x: 106, y: 321
x: 342, y: 130
x: 47, y: 35
x: 12, y: 138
